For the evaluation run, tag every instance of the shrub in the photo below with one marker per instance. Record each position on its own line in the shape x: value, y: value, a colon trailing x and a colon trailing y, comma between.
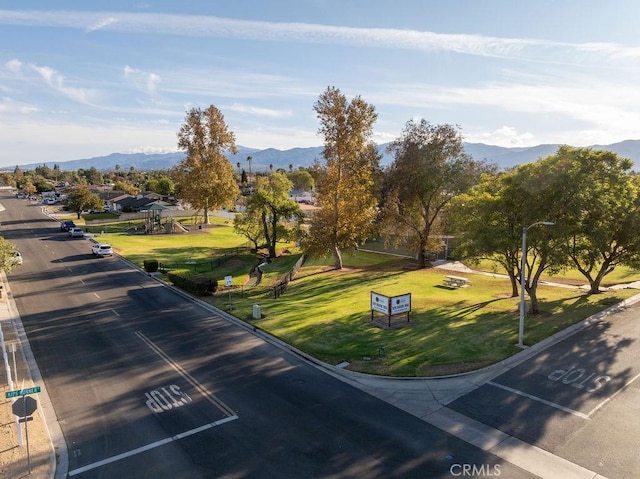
x: 198, y: 285
x: 150, y: 265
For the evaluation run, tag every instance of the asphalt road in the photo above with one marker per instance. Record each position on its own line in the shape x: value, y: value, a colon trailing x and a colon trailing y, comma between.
x: 579, y: 399
x: 148, y: 384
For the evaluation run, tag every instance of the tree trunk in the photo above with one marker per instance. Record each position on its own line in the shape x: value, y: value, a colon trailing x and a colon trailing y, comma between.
x: 422, y: 259
x: 206, y: 216
x: 274, y: 239
x: 422, y: 255
x: 595, y: 283
x: 337, y: 257
x: 265, y: 229
x: 514, y: 285
x: 533, y: 295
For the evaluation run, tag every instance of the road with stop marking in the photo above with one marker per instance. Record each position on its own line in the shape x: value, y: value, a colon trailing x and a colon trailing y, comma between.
x: 146, y: 383
x: 577, y: 399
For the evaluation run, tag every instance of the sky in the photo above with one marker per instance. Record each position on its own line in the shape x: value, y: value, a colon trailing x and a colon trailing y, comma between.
x: 80, y: 79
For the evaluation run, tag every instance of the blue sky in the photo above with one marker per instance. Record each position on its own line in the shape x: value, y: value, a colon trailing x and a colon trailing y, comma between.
x: 88, y: 78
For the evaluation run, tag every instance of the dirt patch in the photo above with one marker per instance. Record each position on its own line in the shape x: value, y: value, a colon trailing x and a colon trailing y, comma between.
x: 382, y: 322
x: 13, y: 458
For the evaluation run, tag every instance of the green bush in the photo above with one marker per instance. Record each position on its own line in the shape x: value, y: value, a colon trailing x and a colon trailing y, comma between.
x: 199, y: 285
x: 150, y: 265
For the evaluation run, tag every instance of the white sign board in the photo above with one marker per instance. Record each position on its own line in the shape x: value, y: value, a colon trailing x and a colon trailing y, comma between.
x: 379, y: 303
x: 391, y: 305
x: 228, y: 281
x: 400, y: 304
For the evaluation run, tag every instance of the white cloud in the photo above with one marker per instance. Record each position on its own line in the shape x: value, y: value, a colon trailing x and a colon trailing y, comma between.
x: 7, y: 105
x: 256, y: 111
x: 281, y: 138
x: 58, y: 141
x: 142, y: 80
x: 208, y: 26
x: 381, y: 137
x: 100, y: 24
x: 505, y: 136
x: 57, y: 81
x: 14, y: 66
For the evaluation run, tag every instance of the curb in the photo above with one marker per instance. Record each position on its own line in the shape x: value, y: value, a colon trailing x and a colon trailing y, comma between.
x: 59, y: 455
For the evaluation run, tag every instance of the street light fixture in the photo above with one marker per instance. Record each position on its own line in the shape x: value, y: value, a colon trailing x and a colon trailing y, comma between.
x: 523, y: 265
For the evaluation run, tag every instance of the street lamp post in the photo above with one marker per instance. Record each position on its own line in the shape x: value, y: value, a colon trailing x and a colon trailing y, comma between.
x: 523, y: 265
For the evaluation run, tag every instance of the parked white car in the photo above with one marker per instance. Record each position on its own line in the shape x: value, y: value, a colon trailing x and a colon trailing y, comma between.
x: 76, y: 232
x: 101, y: 250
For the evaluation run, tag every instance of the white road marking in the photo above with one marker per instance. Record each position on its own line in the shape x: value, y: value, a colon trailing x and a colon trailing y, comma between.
x: 612, y: 396
x: 543, y: 401
x: 148, y: 447
x: 182, y: 372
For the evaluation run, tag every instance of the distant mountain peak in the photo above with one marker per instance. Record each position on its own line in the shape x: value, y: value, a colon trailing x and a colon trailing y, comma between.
x: 504, y: 157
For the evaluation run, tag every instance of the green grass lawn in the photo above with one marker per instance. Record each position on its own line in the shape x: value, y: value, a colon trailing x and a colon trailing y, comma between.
x: 326, y: 313
x: 620, y: 275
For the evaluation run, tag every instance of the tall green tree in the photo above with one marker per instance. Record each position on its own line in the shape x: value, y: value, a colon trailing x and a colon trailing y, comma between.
x: 594, y: 200
x: 206, y: 178
x: 279, y: 216
x: 487, y: 223
x: 345, y: 185
x: 161, y: 184
x: 249, y: 225
x: 80, y: 198
x: 429, y: 169
x: 301, y: 179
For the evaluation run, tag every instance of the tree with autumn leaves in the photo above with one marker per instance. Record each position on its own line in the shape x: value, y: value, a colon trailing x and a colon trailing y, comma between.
x: 345, y: 180
x: 206, y: 178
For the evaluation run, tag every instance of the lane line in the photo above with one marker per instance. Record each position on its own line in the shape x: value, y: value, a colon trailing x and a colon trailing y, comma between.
x: 148, y: 447
x: 543, y: 401
x: 612, y: 396
x: 226, y: 410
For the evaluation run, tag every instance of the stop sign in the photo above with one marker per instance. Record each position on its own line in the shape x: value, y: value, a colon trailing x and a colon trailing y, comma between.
x: 24, y: 406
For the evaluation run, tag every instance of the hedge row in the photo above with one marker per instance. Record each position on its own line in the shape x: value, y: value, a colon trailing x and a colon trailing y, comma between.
x: 198, y: 285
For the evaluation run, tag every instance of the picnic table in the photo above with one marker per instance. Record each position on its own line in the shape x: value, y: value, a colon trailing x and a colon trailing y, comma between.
x: 456, y: 281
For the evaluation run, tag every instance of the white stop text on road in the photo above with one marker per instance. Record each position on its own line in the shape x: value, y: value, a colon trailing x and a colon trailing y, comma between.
x: 579, y: 378
x: 166, y: 398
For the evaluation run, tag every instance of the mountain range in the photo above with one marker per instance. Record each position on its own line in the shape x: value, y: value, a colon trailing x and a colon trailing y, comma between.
x: 261, y: 160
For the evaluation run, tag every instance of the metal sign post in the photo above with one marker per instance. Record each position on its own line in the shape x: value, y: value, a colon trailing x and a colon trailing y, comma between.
x: 228, y: 282
x: 24, y: 407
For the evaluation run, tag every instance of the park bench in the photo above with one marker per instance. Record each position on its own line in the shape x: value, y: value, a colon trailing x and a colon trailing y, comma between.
x: 456, y: 281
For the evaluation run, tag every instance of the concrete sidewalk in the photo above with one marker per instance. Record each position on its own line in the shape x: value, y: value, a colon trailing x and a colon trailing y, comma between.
x: 27, y: 449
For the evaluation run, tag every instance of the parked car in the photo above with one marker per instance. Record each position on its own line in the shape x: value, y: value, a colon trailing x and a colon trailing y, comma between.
x: 101, y: 250
x: 16, y: 258
x: 66, y: 225
x: 76, y: 232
